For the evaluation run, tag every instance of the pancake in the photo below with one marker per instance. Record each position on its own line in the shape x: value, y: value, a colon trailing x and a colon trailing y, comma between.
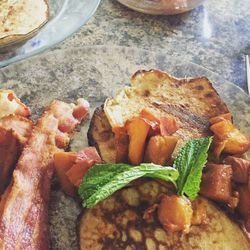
x: 117, y: 223
x: 21, y: 19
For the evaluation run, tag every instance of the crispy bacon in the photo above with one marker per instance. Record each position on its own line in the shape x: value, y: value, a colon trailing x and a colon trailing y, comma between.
x: 10, y: 104
x: 14, y: 132
x: 15, y: 129
x: 21, y: 126
x: 89, y: 154
x: 69, y: 115
x: 10, y: 149
x: 24, y: 207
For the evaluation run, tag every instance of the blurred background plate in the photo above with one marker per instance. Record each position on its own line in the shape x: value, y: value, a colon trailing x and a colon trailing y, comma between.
x: 66, y: 17
x: 161, y: 7
x: 95, y: 73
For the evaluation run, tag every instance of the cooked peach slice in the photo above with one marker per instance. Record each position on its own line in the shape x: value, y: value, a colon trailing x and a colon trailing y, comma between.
x: 72, y: 166
x: 175, y: 213
x: 229, y: 139
x: 220, y: 118
x: 160, y: 149
x: 10, y: 149
x: 121, y: 144
x: 137, y: 130
x: 86, y: 158
x: 63, y: 162
x: 199, y: 212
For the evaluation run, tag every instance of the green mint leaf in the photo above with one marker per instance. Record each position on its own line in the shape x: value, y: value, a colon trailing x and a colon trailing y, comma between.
x: 97, y: 176
x: 163, y: 173
x: 102, y: 180
x: 189, y: 163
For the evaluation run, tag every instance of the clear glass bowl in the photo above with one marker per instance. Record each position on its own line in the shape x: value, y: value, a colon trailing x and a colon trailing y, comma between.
x: 66, y: 17
x: 161, y: 7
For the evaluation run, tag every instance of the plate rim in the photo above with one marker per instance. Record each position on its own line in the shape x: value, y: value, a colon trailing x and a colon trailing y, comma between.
x: 119, y: 47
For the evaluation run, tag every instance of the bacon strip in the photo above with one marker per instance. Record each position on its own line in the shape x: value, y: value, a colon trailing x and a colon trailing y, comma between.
x: 10, y: 149
x: 14, y: 133
x: 21, y: 126
x: 24, y: 206
x: 10, y: 104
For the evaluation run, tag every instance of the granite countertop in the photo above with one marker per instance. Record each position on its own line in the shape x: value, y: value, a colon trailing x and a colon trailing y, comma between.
x: 215, y: 35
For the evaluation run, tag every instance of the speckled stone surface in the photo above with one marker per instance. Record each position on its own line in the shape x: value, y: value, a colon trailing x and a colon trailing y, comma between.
x: 215, y: 35
x: 95, y: 73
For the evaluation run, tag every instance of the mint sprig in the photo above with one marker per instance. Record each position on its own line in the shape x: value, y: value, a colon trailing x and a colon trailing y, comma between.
x: 189, y: 162
x: 102, y: 180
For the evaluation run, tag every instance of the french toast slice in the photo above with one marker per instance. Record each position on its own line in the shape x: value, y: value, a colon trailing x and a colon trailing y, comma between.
x: 191, y: 101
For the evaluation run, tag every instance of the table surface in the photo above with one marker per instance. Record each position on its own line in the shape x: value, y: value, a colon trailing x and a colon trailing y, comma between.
x: 215, y: 35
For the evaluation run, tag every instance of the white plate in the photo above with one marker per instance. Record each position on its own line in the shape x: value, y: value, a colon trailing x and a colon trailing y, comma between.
x: 95, y: 73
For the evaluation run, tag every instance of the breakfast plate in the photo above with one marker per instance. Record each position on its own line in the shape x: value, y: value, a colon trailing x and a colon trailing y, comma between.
x: 96, y: 73
x: 65, y: 18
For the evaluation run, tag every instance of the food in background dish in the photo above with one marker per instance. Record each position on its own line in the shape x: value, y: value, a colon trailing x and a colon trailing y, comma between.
x: 161, y: 7
x: 21, y: 19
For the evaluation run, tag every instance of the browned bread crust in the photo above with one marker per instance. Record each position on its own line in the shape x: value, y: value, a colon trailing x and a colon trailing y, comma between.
x: 100, y: 135
x: 191, y: 101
